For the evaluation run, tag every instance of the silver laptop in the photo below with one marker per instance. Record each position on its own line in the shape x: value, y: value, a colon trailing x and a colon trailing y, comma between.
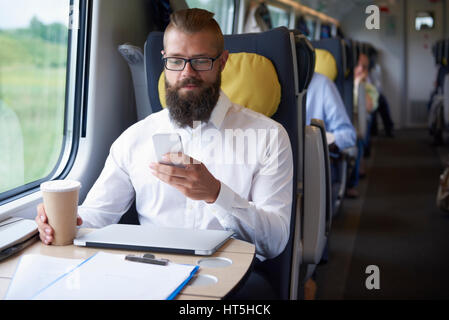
x: 156, y: 239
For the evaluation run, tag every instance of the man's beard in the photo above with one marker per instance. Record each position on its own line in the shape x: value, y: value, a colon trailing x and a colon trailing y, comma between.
x: 189, y: 107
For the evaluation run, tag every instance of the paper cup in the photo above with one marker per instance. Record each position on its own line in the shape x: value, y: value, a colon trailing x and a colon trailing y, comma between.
x: 61, y: 207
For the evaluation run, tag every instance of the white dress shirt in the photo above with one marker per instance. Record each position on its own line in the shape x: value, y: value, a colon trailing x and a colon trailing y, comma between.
x: 255, y: 170
x: 324, y: 102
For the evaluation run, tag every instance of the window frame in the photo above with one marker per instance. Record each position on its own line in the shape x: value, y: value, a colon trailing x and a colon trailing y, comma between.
x: 284, y: 7
x: 234, y: 18
x: 75, y: 101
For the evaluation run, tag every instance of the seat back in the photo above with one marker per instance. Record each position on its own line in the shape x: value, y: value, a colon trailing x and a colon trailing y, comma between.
x: 348, y: 83
x: 446, y: 52
x: 276, y: 45
x: 360, y: 122
x: 440, y: 52
x: 305, y: 60
x: 316, y: 213
x: 336, y: 47
x: 305, y: 66
x: 154, y: 67
x: 446, y: 99
x: 317, y: 192
x: 343, y: 54
x: 134, y: 57
x: 305, y: 57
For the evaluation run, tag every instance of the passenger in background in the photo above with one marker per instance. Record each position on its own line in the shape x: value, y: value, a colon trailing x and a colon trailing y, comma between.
x: 361, y: 73
x: 325, y: 103
x: 375, y: 77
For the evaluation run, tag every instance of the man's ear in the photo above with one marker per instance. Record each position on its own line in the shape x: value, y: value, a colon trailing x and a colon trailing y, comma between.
x: 224, y: 59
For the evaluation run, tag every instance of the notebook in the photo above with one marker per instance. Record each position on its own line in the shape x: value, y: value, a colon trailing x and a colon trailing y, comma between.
x: 156, y: 239
x: 15, y: 235
x: 16, y: 230
x: 103, y: 276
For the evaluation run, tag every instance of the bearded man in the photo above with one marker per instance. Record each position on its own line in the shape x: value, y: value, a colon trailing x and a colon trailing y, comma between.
x: 253, y: 199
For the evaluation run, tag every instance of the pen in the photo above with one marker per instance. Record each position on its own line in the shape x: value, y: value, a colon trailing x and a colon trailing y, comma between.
x: 147, y: 259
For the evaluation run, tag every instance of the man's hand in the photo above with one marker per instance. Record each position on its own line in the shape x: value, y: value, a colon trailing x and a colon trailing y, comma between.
x: 46, y: 232
x: 192, y: 179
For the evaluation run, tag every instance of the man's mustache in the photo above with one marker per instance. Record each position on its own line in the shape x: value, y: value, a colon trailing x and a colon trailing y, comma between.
x: 189, y: 81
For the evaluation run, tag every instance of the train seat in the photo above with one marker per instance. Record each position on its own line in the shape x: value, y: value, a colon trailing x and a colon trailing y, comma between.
x: 317, y: 213
x: 337, y: 48
x: 134, y: 57
x: 438, y: 115
x: 445, y: 79
x: 344, y: 160
x: 314, y: 221
x: 348, y: 84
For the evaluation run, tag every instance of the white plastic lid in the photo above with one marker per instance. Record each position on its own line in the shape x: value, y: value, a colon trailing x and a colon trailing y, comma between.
x: 60, y: 185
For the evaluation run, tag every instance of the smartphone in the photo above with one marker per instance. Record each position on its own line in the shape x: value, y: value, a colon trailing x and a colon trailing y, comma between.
x: 165, y: 143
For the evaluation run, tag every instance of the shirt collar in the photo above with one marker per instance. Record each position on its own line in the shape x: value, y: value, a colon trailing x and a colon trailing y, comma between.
x: 221, y: 109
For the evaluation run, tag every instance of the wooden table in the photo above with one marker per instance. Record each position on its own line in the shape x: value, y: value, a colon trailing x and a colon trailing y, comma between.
x: 241, y: 254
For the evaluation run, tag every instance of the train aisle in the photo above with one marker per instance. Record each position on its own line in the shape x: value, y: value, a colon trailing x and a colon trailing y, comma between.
x: 394, y: 225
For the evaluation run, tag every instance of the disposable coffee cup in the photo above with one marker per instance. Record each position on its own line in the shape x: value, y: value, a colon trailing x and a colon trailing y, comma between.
x: 61, y: 207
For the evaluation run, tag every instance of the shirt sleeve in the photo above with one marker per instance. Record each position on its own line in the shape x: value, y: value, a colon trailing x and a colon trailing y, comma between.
x: 112, y: 194
x: 265, y: 218
x: 336, y: 118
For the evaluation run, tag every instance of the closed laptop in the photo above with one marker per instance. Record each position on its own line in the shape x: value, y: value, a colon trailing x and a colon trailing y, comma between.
x: 156, y: 239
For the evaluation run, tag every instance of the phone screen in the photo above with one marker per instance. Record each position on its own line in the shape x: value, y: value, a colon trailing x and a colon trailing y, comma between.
x: 164, y: 143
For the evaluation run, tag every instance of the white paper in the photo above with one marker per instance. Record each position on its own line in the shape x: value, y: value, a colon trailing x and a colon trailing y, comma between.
x: 109, y: 276
x: 34, y: 272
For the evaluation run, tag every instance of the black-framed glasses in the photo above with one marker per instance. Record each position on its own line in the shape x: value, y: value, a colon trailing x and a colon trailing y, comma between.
x: 197, y: 64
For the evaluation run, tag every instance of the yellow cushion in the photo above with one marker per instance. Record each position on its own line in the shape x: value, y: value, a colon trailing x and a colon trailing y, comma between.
x: 248, y: 79
x: 326, y: 64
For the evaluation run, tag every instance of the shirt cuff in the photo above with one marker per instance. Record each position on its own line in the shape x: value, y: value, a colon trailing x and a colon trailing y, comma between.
x: 224, y: 202
x: 223, y: 207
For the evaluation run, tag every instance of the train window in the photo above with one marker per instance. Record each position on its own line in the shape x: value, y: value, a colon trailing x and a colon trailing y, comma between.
x: 325, y: 31
x: 311, y: 26
x: 302, y: 26
x: 34, y: 113
x: 424, y: 20
x: 279, y: 16
x: 224, y: 11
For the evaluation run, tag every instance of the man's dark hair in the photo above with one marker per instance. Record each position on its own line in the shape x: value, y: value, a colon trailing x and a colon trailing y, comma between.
x: 195, y: 20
